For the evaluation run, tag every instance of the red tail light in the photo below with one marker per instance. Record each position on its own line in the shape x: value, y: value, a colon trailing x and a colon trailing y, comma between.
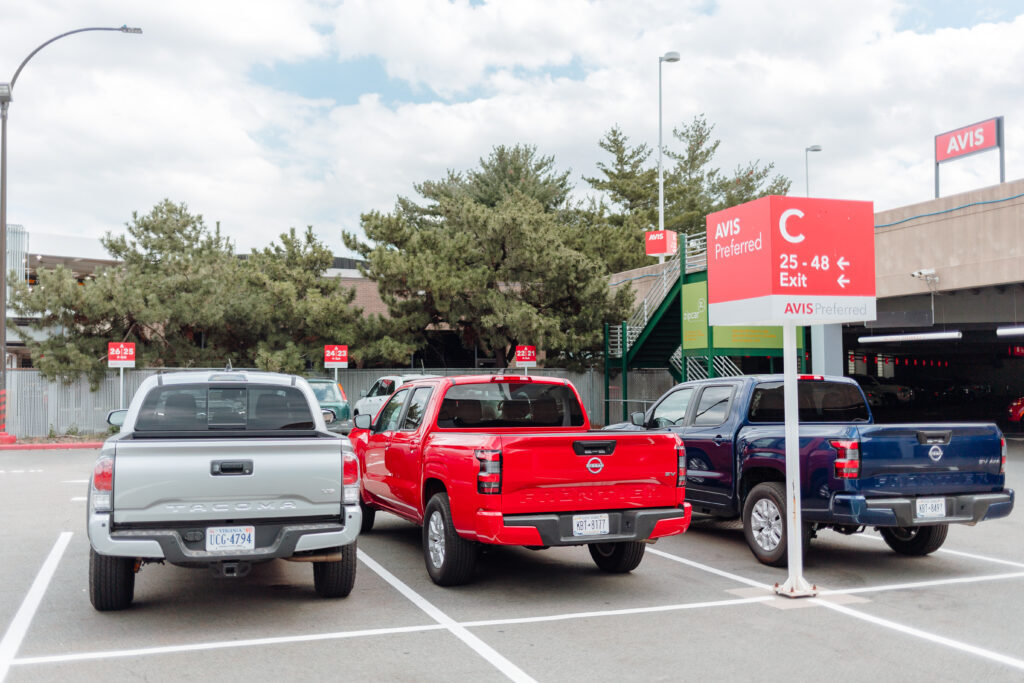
x: 350, y: 470
x: 680, y: 463
x: 847, y: 459
x: 1002, y: 455
x: 811, y: 378
x: 488, y: 479
x: 343, y: 397
x: 103, y: 475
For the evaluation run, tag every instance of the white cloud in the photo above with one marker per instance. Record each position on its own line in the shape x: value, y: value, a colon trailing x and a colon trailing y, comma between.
x: 104, y: 124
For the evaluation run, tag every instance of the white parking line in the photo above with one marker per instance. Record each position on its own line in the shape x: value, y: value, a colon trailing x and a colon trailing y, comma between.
x: 19, y: 625
x: 710, y: 570
x: 616, y: 612
x: 909, y: 630
x: 75, y: 481
x: 922, y: 584
x: 79, y: 499
x: 947, y: 551
x: 252, y: 642
x: 480, y: 647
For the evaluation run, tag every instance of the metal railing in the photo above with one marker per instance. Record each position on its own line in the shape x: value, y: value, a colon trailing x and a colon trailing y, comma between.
x: 697, y: 367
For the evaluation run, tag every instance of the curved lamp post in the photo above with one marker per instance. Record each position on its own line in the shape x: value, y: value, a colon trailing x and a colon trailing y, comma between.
x: 6, y: 93
x: 667, y: 57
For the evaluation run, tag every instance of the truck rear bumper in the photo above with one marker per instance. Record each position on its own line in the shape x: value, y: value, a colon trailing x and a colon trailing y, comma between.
x: 556, y: 529
x: 168, y: 544
x: 960, y: 509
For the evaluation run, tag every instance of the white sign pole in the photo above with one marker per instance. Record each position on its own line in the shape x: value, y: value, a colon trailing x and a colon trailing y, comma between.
x: 122, y: 388
x: 335, y: 375
x: 795, y: 585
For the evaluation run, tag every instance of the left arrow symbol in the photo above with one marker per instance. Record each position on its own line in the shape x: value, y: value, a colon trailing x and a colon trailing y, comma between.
x: 842, y: 263
x: 843, y: 281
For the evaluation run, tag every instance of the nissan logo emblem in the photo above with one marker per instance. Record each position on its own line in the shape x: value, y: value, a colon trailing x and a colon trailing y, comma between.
x: 935, y: 453
x: 595, y: 465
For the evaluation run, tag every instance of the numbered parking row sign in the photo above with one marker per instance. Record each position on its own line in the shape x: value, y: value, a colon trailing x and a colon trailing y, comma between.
x: 120, y: 355
x: 335, y: 356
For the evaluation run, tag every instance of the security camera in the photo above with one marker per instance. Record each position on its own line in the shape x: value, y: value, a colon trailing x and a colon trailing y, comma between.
x: 923, y: 273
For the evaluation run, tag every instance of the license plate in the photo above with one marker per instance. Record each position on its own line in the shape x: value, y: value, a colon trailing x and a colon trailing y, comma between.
x: 230, y: 538
x: 931, y: 507
x: 590, y: 525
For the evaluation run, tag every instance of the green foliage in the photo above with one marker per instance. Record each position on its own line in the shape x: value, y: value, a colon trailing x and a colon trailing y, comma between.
x: 491, y: 255
x: 186, y: 300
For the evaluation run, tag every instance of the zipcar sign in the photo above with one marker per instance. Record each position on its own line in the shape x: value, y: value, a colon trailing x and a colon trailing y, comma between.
x: 791, y: 258
x: 967, y: 140
x: 120, y: 354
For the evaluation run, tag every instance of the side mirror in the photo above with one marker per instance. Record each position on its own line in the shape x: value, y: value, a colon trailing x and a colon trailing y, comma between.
x: 116, y: 417
x: 362, y: 421
x: 329, y: 415
x: 637, y: 418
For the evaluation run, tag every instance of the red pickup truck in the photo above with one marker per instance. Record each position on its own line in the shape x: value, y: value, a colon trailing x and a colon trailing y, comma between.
x: 510, y: 460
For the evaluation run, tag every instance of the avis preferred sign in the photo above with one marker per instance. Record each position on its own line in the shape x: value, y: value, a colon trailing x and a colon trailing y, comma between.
x: 805, y: 260
x: 335, y: 356
x: 120, y: 354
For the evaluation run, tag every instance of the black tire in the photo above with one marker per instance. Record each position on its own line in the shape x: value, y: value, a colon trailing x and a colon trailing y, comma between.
x: 617, y: 558
x: 764, y: 524
x: 369, y: 514
x: 111, y: 581
x: 450, y: 559
x: 335, y: 579
x: 920, y: 540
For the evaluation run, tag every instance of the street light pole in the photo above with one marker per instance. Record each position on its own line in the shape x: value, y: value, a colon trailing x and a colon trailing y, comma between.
x: 807, y: 175
x: 6, y: 95
x: 667, y: 57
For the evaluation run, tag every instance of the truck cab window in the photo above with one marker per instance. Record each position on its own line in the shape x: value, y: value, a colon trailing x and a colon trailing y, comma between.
x: 672, y: 411
x: 390, y: 414
x: 713, y: 408
x: 417, y: 406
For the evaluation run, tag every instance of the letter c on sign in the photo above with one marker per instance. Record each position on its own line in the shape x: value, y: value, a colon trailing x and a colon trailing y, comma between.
x: 795, y: 239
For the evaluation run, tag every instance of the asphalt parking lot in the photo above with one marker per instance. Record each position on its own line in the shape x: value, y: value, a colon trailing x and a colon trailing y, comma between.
x: 698, y: 607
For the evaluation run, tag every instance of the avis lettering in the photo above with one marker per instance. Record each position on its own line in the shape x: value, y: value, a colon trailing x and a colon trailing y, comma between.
x: 799, y: 308
x: 966, y: 140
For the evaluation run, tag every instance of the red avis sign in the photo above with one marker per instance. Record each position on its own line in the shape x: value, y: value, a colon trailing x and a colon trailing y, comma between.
x: 791, y: 258
x: 660, y: 242
x: 120, y: 355
x: 335, y: 356
x: 526, y: 356
x: 976, y: 137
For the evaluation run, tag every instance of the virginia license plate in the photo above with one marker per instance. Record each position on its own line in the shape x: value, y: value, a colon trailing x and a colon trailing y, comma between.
x: 931, y: 507
x: 230, y: 538
x: 590, y: 525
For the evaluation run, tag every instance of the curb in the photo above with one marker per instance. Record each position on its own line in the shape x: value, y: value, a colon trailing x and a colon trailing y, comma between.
x: 49, y: 446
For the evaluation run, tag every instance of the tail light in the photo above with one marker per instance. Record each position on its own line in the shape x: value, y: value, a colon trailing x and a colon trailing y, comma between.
x: 488, y: 479
x: 847, y: 459
x: 1002, y: 455
x: 102, y: 484
x: 680, y: 463
x: 349, y: 479
x: 343, y: 397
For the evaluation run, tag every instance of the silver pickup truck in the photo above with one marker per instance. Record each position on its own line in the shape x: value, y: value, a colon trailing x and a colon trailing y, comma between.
x: 222, y: 470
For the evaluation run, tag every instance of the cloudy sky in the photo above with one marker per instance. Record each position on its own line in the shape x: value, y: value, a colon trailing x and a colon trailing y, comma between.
x: 267, y: 114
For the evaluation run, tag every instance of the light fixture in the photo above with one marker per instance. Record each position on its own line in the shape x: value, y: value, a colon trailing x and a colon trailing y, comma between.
x: 670, y: 57
x: 1009, y: 331
x: 5, y: 92
x: 923, y: 336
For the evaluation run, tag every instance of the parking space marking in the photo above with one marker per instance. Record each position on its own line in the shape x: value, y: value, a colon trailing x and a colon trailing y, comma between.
x: 252, y: 642
x: 617, y: 612
x: 19, y: 625
x: 480, y: 647
x: 79, y: 499
x: 75, y: 481
x: 973, y: 556
x: 940, y: 640
x: 922, y: 584
x: 710, y: 570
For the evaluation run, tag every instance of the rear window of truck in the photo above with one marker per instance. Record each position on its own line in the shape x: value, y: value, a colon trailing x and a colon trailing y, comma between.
x: 509, y: 404
x: 202, y: 407
x: 818, y: 402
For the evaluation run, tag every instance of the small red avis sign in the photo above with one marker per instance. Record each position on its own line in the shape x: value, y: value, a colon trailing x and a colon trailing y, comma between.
x: 335, y: 356
x: 660, y: 242
x: 526, y: 356
x: 120, y: 355
x: 791, y: 258
x: 976, y: 137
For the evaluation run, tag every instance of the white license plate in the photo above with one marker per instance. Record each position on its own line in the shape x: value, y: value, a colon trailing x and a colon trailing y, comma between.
x: 931, y: 507
x: 230, y: 538
x: 590, y: 525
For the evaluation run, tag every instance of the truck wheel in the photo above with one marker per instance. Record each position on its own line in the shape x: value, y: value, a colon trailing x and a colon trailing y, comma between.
x: 764, y: 524
x: 335, y: 579
x: 617, y: 558
x: 111, y: 581
x: 369, y: 514
x: 450, y: 559
x: 920, y: 540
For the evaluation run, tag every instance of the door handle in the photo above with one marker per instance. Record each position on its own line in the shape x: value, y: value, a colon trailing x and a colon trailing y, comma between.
x: 719, y: 439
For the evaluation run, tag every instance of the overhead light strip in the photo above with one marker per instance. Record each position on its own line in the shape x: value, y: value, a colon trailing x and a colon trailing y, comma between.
x: 1009, y: 331
x: 923, y: 336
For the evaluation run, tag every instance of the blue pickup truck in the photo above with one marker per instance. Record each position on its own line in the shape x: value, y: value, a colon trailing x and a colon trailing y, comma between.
x: 909, y: 481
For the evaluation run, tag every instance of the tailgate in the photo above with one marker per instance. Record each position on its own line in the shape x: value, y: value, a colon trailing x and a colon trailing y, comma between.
x: 587, y: 471
x: 929, y: 459
x: 164, y: 480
